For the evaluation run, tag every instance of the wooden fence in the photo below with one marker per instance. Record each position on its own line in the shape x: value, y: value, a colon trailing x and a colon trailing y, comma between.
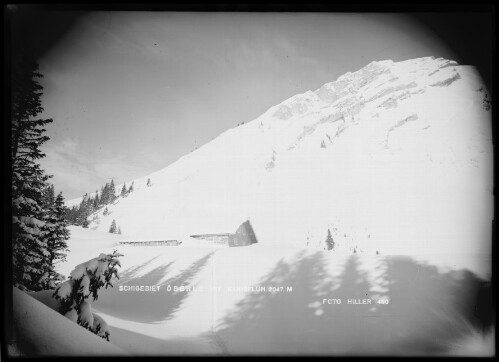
x: 152, y: 243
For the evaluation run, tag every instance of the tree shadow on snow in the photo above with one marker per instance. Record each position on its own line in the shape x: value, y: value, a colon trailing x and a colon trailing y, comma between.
x: 142, y: 345
x: 426, y: 310
x: 148, y: 307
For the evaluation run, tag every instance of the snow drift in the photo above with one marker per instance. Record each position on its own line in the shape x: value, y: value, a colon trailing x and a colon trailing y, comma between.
x: 420, y: 305
x: 41, y: 331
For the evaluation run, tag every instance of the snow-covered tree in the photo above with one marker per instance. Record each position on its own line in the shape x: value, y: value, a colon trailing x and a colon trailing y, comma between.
x: 329, y: 240
x: 149, y: 182
x: 30, y: 260
x: 101, y: 197
x: 123, y: 190
x: 84, y: 211
x: 56, y: 234
x: 70, y: 214
x: 85, y: 281
x: 112, y: 192
x: 113, y: 229
x: 96, y: 201
x: 90, y: 204
x: 105, y: 195
x: 49, y: 195
x: 105, y: 212
x: 131, y: 188
x: 119, y: 230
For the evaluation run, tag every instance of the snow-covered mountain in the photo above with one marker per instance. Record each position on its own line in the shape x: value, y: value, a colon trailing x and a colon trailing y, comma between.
x: 395, y: 157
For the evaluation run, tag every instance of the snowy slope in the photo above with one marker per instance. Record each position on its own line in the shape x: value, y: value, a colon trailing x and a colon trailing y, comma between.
x: 87, y: 243
x: 41, y: 331
x: 430, y: 301
x: 395, y: 157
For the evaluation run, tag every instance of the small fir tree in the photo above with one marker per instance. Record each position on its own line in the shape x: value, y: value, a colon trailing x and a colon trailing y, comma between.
x: 329, y: 240
x: 123, y: 190
x: 70, y: 214
x: 101, y: 197
x: 96, y: 200
x: 84, y: 211
x: 85, y: 281
x: 112, y: 192
x: 112, y: 228
x: 105, y: 195
x: 57, y: 236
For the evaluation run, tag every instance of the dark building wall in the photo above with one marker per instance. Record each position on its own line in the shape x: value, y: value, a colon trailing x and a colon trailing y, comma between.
x: 213, y: 238
x: 244, y: 235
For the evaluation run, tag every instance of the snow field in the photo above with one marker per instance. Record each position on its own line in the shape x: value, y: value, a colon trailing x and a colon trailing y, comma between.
x: 218, y: 317
x: 41, y: 331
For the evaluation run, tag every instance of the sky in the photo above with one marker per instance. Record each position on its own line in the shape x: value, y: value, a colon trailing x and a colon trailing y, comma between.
x: 131, y: 92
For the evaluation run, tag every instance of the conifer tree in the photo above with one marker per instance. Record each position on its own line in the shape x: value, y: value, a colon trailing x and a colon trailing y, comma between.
x: 56, y: 236
x: 113, y: 228
x: 49, y: 196
x: 79, y: 212
x: 105, y: 212
x: 70, y: 214
x: 123, y: 190
x: 329, y: 240
x: 119, y: 230
x: 105, y: 195
x: 96, y: 200
x: 90, y: 204
x: 84, y: 211
x: 112, y: 192
x: 101, y: 196
x: 85, y: 281
x: 29, y: 248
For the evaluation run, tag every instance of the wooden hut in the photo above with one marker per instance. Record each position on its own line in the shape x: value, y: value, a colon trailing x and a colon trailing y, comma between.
x: 243, y: 236
x: 222, y: 239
